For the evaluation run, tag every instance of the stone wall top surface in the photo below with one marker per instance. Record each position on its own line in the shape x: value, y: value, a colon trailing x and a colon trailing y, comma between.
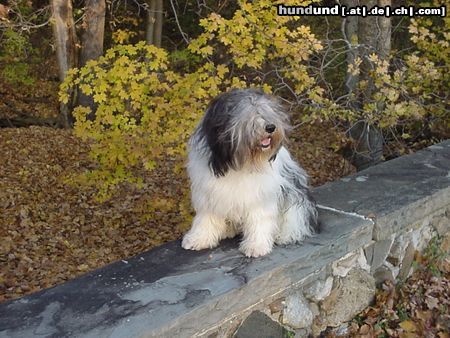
x: 395, y: 193
x: 169, y: 291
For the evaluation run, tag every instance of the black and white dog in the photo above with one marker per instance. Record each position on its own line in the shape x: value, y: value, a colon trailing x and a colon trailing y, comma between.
x: 243, y: 179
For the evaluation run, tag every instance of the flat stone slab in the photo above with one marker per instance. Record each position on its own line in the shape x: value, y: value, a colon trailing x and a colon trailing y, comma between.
x: 396, y: 193
x: 171, y: 292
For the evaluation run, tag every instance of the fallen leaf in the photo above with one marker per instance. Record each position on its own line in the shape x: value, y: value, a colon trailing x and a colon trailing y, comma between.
x: 424, y: 315
x: 408, y: 326
x: 432, y: 303
x: 364, y: 329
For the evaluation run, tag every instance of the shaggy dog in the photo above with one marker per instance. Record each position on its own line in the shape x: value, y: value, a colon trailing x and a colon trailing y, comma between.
x: 243, y: 179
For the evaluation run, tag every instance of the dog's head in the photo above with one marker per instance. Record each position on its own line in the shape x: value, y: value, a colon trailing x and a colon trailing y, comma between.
x: 243, y: 127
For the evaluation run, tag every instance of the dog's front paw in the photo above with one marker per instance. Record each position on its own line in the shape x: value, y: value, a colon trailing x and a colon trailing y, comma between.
x: 287, y: 238
x: 255, y: 249
x: 196, y: 241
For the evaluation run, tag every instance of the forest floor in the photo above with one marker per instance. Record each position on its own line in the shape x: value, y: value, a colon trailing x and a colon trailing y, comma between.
x: 52, y: 231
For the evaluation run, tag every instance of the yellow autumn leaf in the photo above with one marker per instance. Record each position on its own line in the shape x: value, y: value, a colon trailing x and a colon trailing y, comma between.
x: 408, y: 326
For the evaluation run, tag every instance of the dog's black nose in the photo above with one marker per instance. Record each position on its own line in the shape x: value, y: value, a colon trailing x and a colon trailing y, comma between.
x: 270, y: 128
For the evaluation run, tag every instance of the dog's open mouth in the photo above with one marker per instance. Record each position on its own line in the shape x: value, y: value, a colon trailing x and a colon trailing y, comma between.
x: 265, y: 143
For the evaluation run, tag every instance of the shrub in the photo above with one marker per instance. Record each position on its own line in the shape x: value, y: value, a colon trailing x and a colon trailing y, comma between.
x: 146, y: 109
x: 15, y: 52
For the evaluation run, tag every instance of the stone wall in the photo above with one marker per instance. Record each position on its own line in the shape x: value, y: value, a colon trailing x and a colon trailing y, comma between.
x: 373, y: 222
x: 347, y: 286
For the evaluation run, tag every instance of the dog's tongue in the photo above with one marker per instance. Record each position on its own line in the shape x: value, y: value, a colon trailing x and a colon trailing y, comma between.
x: 266, y: 142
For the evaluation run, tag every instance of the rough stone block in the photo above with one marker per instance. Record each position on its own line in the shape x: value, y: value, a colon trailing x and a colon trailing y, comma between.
x: 398, y: 248
x: 297, y: 313
x: 377, y: 252
x: 382, y: 274
x: 258, y: 325
x: 407, y: 262
x: 319, y: 289
x: 350, y: 261
x: 349, y: 296
x: 421, y: 237
x: 445, y: 245
x: 441, y: 222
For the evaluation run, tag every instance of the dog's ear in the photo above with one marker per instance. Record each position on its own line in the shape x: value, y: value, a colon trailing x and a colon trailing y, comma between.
x: 215, y: 127
x: 220, y: 161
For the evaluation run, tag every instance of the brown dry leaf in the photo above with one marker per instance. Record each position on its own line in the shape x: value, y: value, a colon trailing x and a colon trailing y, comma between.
x: 424, y: 315
x: 432, y: 303
x: 445, y: 265
x: 445, y: 245
x: 4, y: 10
x: 390, y: 332
x: 371, y: 319
x: 364, y: 329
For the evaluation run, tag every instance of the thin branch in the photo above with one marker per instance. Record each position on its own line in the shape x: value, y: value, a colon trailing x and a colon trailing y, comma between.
x: 183, y: 34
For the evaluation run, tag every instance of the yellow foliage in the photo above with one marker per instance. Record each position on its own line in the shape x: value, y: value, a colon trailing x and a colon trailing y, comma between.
x: 141, y: 114
x: 146, y: 110
x: 256, y: 37
x: 415, y: 89
x: 121, y: 36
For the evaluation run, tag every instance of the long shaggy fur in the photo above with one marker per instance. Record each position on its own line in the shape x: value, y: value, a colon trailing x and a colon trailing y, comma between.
x: 243, y: 179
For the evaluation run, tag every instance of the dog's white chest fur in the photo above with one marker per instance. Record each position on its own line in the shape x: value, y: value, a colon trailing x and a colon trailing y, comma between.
x: 236, y: 192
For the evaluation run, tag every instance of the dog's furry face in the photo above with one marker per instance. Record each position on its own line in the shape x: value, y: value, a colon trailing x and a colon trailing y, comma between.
x: 242, y: 128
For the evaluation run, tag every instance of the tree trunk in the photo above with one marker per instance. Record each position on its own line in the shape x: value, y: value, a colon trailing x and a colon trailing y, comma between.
x: 385, y: 31
x: 151, y: 20
x: 350, y: 32
x: 65, y: 41
x: 154, y: 23
x: 368, y: 39
x: 92, y: 43
x: 374, y: 36
x: 368, y: 148
x: 159, y: 23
